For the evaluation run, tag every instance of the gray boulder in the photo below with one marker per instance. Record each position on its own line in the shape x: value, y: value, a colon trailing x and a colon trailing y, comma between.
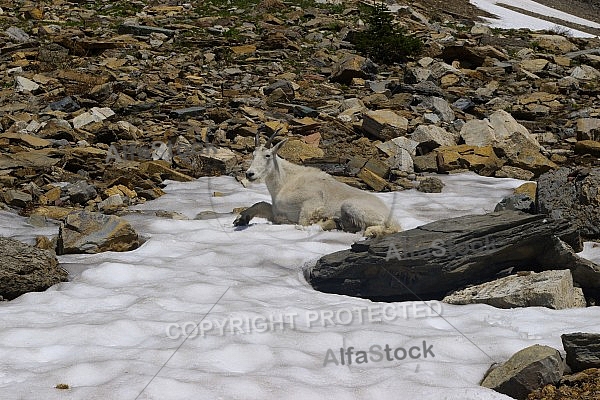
x: 527, y: 370
x: 24, y: 268
x: 583, y: 350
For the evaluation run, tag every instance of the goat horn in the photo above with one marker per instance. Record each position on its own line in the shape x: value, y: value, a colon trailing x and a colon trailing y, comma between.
x: 257, y: 140
x: 270, y: 140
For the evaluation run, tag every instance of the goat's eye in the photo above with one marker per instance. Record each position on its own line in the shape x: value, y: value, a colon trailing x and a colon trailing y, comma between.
x: 267, y: 155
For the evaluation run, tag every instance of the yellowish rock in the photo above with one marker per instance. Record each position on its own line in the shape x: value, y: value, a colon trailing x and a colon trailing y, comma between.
x: 528, y: 188
x: 244, y: 49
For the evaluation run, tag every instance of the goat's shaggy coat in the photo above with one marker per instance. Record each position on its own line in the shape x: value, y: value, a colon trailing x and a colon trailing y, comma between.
x: 305, y: 195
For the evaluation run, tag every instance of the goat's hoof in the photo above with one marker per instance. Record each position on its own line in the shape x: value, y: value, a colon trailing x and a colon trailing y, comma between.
x: 242, y: 220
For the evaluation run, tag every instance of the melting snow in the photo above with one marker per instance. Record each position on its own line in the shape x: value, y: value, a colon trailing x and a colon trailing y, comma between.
x: 117, y: 329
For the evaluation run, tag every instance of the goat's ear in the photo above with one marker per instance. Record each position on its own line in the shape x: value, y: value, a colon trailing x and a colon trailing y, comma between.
x: 278, y: 146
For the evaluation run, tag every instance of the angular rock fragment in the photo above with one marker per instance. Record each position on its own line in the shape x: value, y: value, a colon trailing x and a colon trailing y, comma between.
x: 583, y: 350
x: 350, y: 67
x: 552, y: 289
x: 17, y: 198
x: 384, y: 124
x: 96, y: 114
x: 88, y: 232
x: 25, y: 85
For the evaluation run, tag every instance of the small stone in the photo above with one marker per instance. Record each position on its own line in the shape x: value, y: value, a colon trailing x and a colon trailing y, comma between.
x: 25, y: 85
x: 432, y: 136
x: 384, y: 124
x: 26, y: 139
x: 585, y: 73
x: 552, y: 289
x: 351, y: 66
x: 431, y: 184
x: 17, y: 34
x: 482, y: 160
x: 96, y: 114
x: 244, y: 49
x: 480, y: 29
x: 588, y: 129
x: 26, y: 269
x: 111, y: 202
x: 554, y: 43
x: 516, y: 202
x: 190, y: 112
x: 536, y: 65
x: 162, y: 169
x: 80, y: 192
x: 426, y: 163
x: 373, y: 180
x: 17, y: 198
x: 297, y: 151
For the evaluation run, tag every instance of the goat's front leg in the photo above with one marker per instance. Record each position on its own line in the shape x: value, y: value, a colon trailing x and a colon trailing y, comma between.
x: 261, y: 209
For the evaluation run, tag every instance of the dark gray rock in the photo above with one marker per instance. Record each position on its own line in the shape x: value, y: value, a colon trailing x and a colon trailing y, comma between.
x: 189, y: 112
x: 573, y: 195
x: 527, y: 370
x: 304, y: 111
x: 437, y: 105
x: 447, y: 255
x: 24, y: 268
x: 66, y: 104
x: 583, y: 350
x: 464, y: 104
x: 81, y: 192
x: 516, y: 202
x: 144, y: 30
x: 285, y: 86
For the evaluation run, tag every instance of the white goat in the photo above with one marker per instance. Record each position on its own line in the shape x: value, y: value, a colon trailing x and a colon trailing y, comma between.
x: 305, y: 195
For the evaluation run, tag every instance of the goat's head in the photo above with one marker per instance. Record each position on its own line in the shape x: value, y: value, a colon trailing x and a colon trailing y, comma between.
x: 264, y: 159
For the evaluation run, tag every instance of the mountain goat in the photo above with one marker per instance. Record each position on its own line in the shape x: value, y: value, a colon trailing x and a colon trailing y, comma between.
x: 305, y: 195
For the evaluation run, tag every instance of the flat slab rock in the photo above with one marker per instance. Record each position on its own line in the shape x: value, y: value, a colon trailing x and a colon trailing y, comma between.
x: 552, y: 289
x: 434, y: 259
